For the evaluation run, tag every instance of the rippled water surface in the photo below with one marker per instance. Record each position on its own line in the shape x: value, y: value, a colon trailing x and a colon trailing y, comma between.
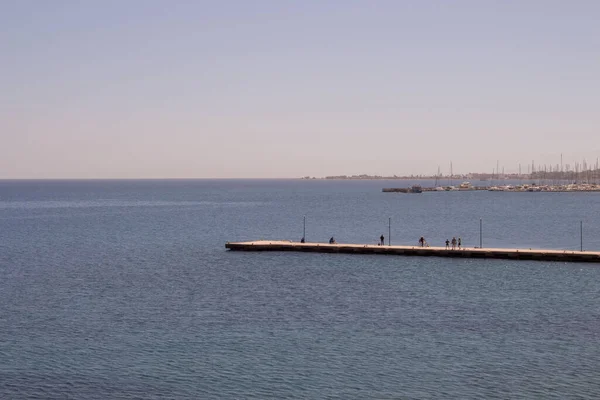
x: 123, y: 290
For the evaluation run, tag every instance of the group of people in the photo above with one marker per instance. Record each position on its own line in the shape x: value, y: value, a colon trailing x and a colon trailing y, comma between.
x: 454, y: 243
x: 422, y: 242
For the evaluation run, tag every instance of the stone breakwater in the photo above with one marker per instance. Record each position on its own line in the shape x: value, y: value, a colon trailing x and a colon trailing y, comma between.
x: 505, y: 188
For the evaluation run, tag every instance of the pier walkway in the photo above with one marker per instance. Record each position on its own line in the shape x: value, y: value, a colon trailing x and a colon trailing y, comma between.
x: 510, y: 254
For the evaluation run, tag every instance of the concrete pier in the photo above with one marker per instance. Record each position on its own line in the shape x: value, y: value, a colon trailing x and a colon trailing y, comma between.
x: 510, y: 254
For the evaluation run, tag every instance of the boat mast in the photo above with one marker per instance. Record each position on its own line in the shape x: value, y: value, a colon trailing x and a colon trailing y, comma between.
x: 498, y: 169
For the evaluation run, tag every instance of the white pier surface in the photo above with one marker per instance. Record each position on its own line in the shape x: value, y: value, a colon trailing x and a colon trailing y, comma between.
x: 470, y: 252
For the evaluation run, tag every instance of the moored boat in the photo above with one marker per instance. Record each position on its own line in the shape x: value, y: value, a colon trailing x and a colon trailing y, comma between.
x: 465, y: 186
x: 416, y: 189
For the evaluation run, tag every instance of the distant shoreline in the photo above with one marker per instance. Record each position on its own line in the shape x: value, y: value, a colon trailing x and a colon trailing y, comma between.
x: 456, y: 177
x: 585, y: 175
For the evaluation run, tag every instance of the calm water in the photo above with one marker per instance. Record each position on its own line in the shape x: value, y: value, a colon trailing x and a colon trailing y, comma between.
x: 124, y: 290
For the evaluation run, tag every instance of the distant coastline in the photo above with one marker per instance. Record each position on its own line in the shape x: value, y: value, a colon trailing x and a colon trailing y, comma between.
x: 419, y: 177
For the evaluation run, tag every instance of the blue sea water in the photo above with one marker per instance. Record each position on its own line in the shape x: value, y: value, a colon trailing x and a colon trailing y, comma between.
x: 123, y: 290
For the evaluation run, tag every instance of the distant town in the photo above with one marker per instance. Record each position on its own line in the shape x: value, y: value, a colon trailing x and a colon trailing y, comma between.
x: 539, y: 181
x: 572, y: 176
x: 404, y: 177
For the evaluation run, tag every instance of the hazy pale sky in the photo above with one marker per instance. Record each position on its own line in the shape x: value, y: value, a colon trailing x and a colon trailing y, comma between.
x: 201, y: 89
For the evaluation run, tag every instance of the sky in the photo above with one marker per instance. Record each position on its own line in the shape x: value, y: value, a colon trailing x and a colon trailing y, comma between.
x: 284, y: 89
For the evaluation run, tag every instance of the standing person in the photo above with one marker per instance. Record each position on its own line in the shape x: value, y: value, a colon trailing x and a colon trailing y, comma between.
x: 453, y: 243
x: 382, y: 240
x: 421, y: 241
x: 459, y: 243
x: 447, y: 244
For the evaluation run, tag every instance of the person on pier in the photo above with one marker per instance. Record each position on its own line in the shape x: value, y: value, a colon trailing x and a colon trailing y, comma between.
x: 332, y: 240
x: 381, y: 240
x: 459, y: 243
x: 447, y: 244
x: 302, y: 240
x: 453, y: 243
x: 422, y: 241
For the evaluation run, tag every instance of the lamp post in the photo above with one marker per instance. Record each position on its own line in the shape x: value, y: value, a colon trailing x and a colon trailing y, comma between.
x: 581, y: 234
x: 304, y: 229
x: 480, y: 233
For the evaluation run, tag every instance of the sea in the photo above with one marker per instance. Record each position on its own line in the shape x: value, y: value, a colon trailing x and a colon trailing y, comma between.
x: 123, y: 289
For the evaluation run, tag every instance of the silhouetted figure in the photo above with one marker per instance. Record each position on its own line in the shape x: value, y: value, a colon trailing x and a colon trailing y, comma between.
x: 459, y: 243
x: 422, y: 241
x: 332, y: 240
x: 302, y: 240
x: 447, y: 244
x: 381, y: 240
x: 453, y: 243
